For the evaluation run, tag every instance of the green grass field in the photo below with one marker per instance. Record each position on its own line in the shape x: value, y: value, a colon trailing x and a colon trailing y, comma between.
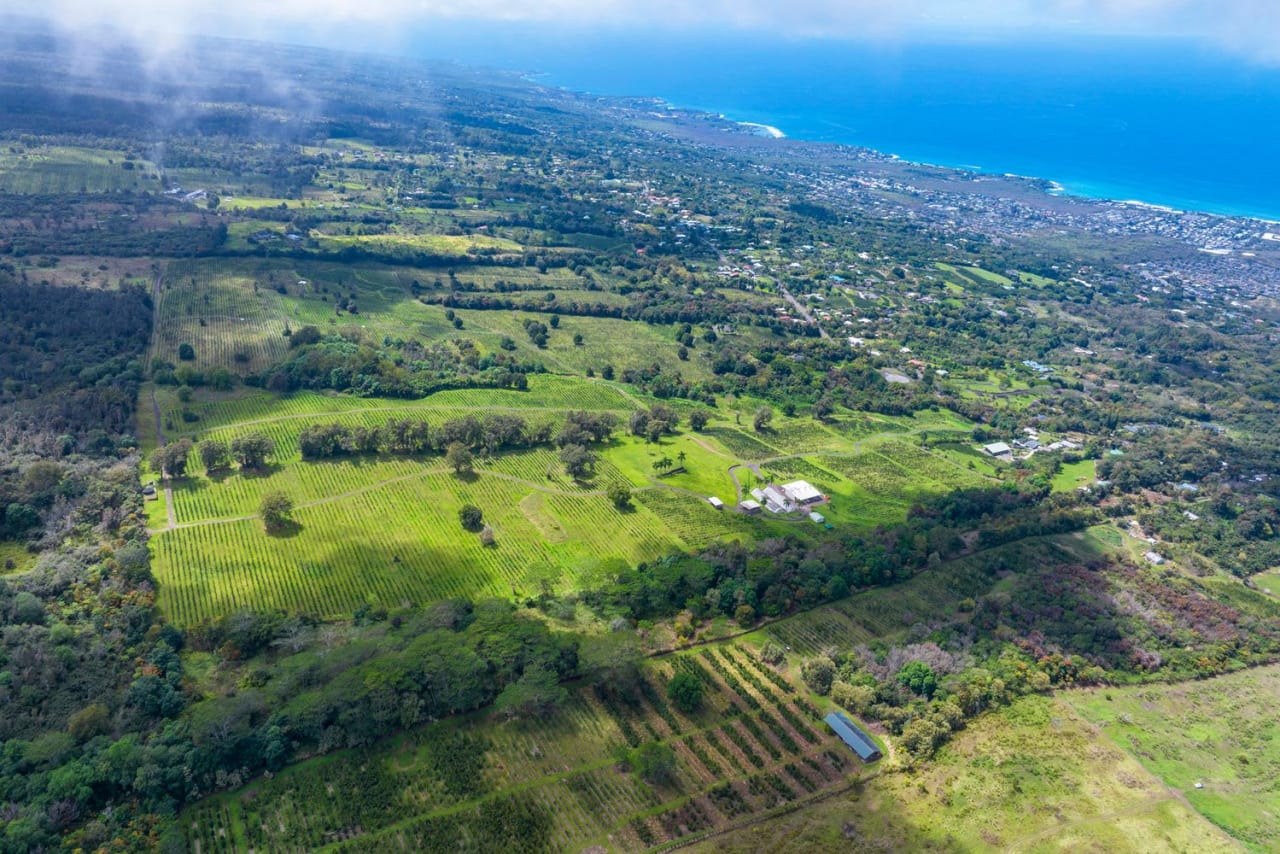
x: 233, y: 313
x: 1220, y: 733
x: 14, y: 557
x: 1034, y: 777
x: 1075, y: 475
x: 384, y: 530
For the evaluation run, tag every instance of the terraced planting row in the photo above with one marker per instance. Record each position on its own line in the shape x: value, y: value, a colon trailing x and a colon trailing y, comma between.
x: 933, y: 467
x: 548, y: 785
x: 798, y: 437
x: 742, y: 444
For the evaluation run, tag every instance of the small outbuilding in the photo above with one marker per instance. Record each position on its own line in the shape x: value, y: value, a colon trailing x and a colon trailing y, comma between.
x: 715, y: 502
x: 817, y: 517
x: 750, y: 506
x: 998, y: 449
x: 851, y: 734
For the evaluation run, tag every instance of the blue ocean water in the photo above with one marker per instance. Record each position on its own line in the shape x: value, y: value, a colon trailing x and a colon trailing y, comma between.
x: 1158, y: 121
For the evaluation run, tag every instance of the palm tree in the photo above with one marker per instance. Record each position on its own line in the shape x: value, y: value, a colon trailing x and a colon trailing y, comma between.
x: 680, y: 458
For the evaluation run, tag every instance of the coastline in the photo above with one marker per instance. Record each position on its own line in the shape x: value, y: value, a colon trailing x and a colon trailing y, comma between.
x: 763, y: 130
x: 1057, y: 180
x: 1081, y: 189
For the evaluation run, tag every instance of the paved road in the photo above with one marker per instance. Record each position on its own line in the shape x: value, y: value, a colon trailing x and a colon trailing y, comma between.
x: 802, y: 310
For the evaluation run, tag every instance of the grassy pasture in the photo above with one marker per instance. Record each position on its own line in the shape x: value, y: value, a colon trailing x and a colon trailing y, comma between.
x: 1074, y: 475
x: 624, y: 344
x: 91, y: 272
x: 249, y: 409
x: 234, y: 315
x: 14, y: 557
x: 1033, y: 777
x: 1221, y: 733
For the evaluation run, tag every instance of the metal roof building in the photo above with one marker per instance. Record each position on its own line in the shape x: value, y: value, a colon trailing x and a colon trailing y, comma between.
x: 853, y: 736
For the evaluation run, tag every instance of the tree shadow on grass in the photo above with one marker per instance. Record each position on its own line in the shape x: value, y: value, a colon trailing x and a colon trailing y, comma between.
x: 262, y: 471
x: 284, y: 530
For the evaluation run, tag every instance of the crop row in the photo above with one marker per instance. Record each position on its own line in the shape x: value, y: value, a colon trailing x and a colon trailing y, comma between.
x: 751, y: 676
x: 397, y: 542
x: 693, y: 520
x: 401, y: 798
x: 547, y: 393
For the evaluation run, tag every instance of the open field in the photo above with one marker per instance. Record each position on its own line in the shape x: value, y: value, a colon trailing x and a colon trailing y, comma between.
x: 65, y: 169
x: 234, y: 313
x: 1219, y: 733
x: 384, y: 530
x: 1075, y: 475
x: 755, y: 745
x: 1033, y: 777
x: 14, y: 557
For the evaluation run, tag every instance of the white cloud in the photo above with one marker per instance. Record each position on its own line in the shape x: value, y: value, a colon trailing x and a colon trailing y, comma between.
x: 1250, y: 27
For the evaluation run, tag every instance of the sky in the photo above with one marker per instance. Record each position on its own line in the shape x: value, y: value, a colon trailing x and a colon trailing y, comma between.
x: 1249, y: 29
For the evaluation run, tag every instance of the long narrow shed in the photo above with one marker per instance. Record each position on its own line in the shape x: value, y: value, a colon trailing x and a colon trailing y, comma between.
x: 853, y: 736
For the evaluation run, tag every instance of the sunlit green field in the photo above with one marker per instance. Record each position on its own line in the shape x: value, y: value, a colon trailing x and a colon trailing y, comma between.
x: 1034, y: 777
x: 384, y: 530
x: 1216, y: 743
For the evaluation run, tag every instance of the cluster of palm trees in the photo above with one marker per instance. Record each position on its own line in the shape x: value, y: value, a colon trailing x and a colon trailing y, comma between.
x: 666, y: 464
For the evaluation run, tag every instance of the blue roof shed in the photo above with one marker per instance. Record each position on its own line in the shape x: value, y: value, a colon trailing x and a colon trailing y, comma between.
x: 853, y: 736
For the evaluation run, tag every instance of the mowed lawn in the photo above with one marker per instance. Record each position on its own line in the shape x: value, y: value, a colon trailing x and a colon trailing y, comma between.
x: 1220, y: 733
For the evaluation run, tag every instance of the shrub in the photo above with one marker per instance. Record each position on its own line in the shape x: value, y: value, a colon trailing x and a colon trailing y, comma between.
x: 919, y: 677
x: 620, y: 495
x: 773, y: 653
x: 818, y: 674
x: 276, y: 509
x: 855, y: 698
x: 471, y: 517
x: 685, y: 691
x: 654, y: 761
